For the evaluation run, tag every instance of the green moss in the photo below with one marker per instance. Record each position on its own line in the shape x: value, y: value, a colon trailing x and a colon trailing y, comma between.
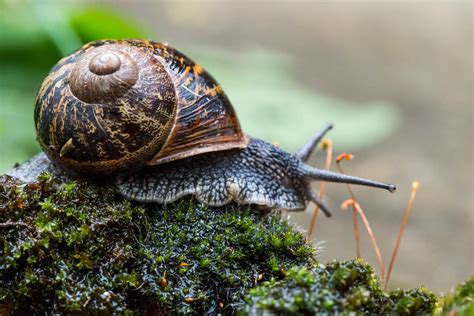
x: 349, y: 286
x: 80, y: 247
x: 461, y: 302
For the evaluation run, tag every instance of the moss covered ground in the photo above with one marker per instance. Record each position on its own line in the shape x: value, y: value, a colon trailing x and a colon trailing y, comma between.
x: 76, y: 247
x: 79, y: 247
x: 461, y: 301
x: 336, y: 287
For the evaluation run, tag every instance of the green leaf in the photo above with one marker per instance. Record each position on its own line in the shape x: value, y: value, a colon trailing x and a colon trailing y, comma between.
x: 99, y: 23
x: 45, y: 224
x: 17, y: 134
x: 19, y: 26
x: 84, y: 261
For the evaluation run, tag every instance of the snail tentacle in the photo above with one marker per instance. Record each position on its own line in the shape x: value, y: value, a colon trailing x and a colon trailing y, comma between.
x: 330, y: 176
x: 305, y: 152
x: 313, y: 197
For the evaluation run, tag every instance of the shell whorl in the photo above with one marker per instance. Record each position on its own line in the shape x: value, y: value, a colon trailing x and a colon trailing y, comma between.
x: 110, y: 106
x: 105, y: 63
x: 103, y: 75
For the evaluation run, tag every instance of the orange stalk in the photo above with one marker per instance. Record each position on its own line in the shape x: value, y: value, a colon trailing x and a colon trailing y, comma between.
x: 356, y: 232
x: 370, y: 232
x: 341, y: 157
x: 414, y: 188
x: 327, y: 144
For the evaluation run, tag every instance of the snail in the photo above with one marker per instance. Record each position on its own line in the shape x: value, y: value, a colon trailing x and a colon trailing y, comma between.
x: 155, y: 123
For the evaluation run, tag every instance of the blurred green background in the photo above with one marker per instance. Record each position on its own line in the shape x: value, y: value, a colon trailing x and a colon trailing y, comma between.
x: 393, y: 78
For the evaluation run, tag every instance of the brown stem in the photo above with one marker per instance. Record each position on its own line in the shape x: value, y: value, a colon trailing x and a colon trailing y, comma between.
x: 414, y: 189
x: 322, y: 187
x: 356, y: 232
x: 354, y: 211
x: 371, y: 235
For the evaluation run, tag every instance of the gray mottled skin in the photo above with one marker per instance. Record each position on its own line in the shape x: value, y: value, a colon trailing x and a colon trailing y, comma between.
x: 32, y: 168
x: 260, y: 174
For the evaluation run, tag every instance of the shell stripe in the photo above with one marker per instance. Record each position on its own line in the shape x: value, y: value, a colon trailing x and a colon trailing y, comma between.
x: 205, y: 119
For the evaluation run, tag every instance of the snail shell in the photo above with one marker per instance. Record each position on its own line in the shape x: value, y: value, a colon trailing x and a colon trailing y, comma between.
x: 116, y: 106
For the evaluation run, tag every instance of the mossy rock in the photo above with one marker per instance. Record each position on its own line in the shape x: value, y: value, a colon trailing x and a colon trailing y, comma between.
x: 336, y: 287
x: 80, y: 247
x: 461, y: 301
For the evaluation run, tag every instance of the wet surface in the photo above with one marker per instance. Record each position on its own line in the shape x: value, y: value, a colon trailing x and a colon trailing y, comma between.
x: 416, y: 55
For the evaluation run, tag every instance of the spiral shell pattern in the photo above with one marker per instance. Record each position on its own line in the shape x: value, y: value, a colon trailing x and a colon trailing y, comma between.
x: 104, y: 108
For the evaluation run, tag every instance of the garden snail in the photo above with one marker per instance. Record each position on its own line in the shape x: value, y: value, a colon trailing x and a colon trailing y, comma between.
x: 158, y: 125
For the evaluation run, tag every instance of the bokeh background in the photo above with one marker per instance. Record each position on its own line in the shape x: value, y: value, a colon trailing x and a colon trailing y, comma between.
x: 395, y: 77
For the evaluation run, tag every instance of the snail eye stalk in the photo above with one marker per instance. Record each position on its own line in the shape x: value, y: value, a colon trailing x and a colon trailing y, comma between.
x: 304, y: 153
x: 326, y: 175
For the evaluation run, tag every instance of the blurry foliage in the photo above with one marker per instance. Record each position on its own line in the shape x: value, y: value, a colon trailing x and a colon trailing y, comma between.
x: 274, y: 106
x: 270, y: 102
x: 461, y: 301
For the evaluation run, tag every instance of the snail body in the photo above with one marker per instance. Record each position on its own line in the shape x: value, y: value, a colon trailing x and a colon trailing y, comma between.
x: 160, y: 127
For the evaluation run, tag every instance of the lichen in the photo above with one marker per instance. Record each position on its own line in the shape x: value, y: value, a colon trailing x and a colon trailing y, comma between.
x: 80, y: 247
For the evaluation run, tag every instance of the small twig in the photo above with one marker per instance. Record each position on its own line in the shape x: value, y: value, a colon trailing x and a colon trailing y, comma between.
x: 10, y: 224
x: 98, y: 225
x: 414, y: 188
x: 327, y: 144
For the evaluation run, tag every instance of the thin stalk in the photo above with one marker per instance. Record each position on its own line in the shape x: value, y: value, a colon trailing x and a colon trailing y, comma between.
x: 341, y: 157
x: 414, y: 188
x: 371, y: 234
x: 328, y: 145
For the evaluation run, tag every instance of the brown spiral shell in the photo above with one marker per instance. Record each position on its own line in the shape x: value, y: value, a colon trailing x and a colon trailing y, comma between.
x: 120, y: 105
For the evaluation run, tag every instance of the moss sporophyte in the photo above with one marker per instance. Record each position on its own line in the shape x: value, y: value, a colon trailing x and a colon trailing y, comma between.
x: 80, y: 247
